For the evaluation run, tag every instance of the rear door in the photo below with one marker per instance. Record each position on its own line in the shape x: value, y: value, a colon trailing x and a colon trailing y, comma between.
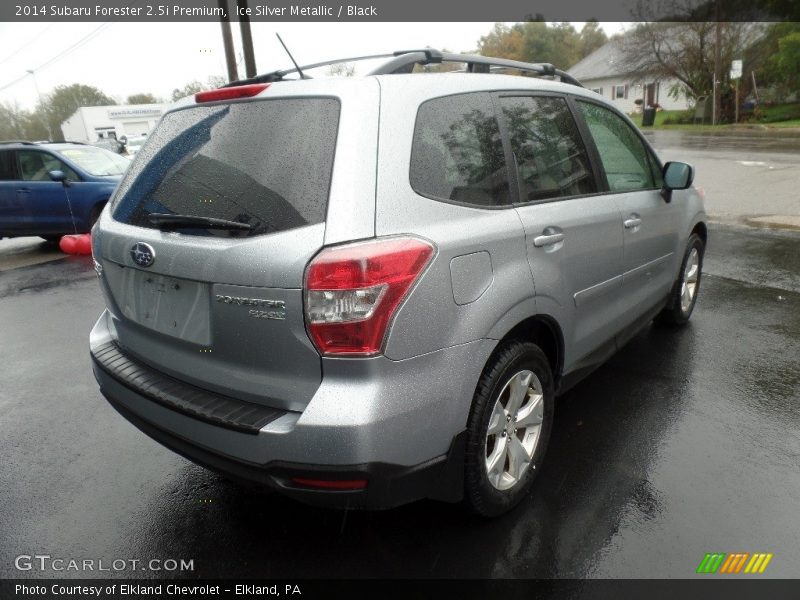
x: 223, y: 309
x: 11, y: 205
x: 46, y: 208
x: 573, y: 233
x: 650, y: 225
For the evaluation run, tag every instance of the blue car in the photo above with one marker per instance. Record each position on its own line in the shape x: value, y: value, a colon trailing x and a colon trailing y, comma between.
x: 52, y: 189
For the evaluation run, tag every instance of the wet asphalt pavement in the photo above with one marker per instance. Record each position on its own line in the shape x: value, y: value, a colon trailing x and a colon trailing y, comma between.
x: 686, y: 442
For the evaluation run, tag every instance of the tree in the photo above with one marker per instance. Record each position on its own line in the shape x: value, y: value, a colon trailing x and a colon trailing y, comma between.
x: 787, y: 62
x: 502, y: 42
x: 342, y: 70
x: 195, y: 86
x: 776, y: 58
x: 537, y: 41
x: 64, y: 100
x: 686, y: 52
x: 13, y: 122
x: 592, y: 37
x: 142, y: 98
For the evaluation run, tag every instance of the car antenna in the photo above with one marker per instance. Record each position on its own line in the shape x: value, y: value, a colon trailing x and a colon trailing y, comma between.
x: 296, y: 66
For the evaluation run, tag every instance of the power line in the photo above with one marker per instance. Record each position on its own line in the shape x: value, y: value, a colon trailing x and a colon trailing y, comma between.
x: 85, y: 39
x: 26, y: 44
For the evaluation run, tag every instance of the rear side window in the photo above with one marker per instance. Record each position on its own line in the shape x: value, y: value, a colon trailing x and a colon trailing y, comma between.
x: 457, y: 153
x: 624, y: 157
x: 549, y: 153
x: 265, y: 163
x: 7, y: 171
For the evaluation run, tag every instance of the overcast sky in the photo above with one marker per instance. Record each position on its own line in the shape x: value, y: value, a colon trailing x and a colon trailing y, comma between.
x: 128, y: 58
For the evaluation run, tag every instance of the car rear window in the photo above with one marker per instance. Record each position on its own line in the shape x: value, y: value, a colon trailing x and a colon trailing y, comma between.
x: 457, y: 152
x: 265, y: 163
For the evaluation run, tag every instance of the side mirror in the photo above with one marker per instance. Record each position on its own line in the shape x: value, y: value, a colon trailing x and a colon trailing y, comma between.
x: 59, y: 176
x: 677, y: 176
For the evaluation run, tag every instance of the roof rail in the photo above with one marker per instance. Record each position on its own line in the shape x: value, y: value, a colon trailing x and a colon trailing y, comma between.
x: 27, y: 143
x: 403, y: 61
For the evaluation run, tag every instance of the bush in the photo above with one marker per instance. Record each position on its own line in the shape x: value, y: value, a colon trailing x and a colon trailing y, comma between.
x: 679, y: 117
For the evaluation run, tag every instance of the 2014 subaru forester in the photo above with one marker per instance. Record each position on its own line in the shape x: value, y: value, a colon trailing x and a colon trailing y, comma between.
x: 364, y: 291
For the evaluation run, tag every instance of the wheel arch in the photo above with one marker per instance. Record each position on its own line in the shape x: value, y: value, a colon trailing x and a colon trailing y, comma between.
x: 701, y: 229
x: 545, y: 332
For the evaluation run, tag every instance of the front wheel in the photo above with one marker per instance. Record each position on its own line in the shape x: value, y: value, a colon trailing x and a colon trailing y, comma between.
x: 508, y: 428
x: 683, y: 296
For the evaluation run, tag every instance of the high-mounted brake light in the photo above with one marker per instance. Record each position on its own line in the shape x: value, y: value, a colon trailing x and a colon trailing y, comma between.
x: 352, y: 292
x: 231, y: 93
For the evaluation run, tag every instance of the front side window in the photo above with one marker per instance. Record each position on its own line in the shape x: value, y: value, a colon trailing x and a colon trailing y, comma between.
x: 550, y: 157
x: 457, y: 152
x: 96, y: 161
x: 623, y: 155
x: 36, y: 166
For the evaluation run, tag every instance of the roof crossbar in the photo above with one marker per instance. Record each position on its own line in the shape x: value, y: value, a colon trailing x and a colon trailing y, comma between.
x: 403, y: 61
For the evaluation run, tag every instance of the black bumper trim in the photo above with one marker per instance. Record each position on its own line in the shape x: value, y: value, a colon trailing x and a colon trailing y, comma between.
x: 196, y: 402
x: 388, y: 485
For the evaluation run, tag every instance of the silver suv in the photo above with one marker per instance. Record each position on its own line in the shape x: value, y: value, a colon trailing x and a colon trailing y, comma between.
x: 364, y: 291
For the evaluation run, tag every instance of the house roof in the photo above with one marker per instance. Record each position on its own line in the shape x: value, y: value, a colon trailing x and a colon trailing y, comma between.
x: 609, y: 60
x: 606, y: 61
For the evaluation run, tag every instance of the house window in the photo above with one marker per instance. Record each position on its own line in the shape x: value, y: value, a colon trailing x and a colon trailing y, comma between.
x: 619, y: 92
x: 598, y: 90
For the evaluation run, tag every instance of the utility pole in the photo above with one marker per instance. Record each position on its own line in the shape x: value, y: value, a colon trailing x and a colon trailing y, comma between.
x: 45, y: 121
x: 227, y: 41
x: 247, y: 39
x: 717, y: 75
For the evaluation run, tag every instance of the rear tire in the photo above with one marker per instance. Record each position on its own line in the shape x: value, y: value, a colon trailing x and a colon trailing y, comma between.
x: 683, y: 296
x: 508, y: 428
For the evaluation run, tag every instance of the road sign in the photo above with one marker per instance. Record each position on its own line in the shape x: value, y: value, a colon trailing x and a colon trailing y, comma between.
x: 736, y: 69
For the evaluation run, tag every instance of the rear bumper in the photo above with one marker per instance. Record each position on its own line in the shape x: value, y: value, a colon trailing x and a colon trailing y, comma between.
x: 398, y: 425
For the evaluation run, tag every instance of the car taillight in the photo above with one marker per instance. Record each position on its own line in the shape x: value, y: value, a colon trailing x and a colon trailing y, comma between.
x: 231, y: 93
x: 352, y: 292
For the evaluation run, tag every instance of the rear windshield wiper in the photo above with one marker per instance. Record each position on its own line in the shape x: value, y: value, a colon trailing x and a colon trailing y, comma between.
x: 173, y: 221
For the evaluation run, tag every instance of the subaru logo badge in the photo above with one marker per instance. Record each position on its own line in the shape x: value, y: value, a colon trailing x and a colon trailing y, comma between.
x: 143, y: 254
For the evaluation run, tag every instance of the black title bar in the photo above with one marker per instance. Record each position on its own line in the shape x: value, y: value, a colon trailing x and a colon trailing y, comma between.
x: 394, y: 10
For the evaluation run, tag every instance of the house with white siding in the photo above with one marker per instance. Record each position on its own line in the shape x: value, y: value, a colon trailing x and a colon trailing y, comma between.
x: 606, y: 72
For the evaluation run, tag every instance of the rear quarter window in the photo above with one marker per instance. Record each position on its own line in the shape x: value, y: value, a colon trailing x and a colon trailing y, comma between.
x: 457, y: 152
x: 266, y: 163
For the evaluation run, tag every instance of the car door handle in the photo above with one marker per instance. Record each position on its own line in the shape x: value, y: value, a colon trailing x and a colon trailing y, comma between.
x: 548, y: 240
x: 632, y: 222
x: 23, y: 191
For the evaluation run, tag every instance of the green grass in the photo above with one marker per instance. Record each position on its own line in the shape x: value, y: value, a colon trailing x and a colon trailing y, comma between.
x: 779, y: 112
x: 780, y: 116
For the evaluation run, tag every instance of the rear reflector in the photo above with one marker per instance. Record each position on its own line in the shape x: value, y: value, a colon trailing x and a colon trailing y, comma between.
x: 239, y: 91
x: 352, y: 292
x: 330, y: 484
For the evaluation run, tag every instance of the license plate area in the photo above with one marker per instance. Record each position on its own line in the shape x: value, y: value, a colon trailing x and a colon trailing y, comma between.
x: 169, y: 305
